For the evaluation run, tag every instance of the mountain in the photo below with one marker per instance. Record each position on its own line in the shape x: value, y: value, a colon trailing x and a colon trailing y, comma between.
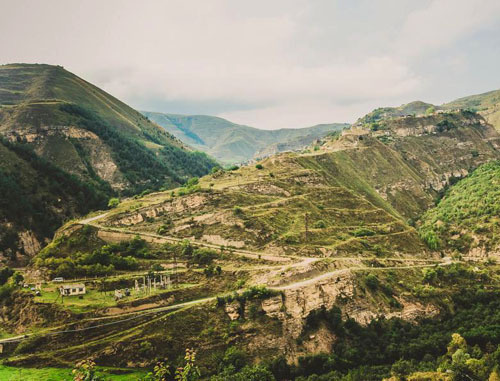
x: 412, y: 108
x: 87, y: 132
x: 486, y: 104
x: 234, y: 143
x: 86, y: 138
x: 332, y: 233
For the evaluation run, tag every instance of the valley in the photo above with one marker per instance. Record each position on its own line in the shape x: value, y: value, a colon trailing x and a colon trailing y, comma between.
x: 278, y: 261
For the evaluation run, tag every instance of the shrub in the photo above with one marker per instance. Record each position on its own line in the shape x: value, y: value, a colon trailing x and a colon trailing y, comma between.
x: 113, y: 202
x: 259, y: 166
x: 363, y: 232
x: 320, y: 224
x: 372, y: 281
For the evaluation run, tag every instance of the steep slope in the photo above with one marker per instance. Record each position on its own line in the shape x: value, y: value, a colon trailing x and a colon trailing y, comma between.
x: 235, y: 143
x: 467, y: 217
x: 356, y: 194
x: 36, y: 198
x: 92, y: 144
x: 487, y: 104
x: 410, y: 160
x: 87, y: 132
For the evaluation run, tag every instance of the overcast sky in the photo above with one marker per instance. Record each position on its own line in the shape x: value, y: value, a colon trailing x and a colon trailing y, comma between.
x: 269, y: 63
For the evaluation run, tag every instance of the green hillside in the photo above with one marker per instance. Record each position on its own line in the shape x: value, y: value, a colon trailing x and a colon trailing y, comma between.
x: 487, y: 104
x: 68, y: 146
x: 235, y: 143
x: 468, y: 214
x: 86, y: 131
x: 36, y: 199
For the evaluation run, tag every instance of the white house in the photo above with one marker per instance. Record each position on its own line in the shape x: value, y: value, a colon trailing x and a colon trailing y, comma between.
x: 72, y: 289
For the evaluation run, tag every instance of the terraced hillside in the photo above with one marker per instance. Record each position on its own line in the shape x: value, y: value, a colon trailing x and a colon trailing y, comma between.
x: 299, y: 255
x: 234, y: 143
x: 80, y: 131
x: 356, y: 194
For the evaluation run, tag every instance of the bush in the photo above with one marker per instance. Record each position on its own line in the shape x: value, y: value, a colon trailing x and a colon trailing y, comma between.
x: 320, y: 224
x: 363, y: 232
x: 372, y: 281
x: 203, y: 256
x: 113, y: 202
x: 259, y: 166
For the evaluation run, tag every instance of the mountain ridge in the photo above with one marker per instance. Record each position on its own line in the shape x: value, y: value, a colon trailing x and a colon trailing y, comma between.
x: 234, y: 143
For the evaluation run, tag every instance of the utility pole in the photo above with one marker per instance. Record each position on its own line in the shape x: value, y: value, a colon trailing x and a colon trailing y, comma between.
x: 306, y: 218
x: 175, y: 269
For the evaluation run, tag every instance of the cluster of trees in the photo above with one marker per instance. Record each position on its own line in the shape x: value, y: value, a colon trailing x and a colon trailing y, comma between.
x: 469, y: 206
x: 102, y: 261
x: 40, y: 204
x: 140, y: 165
x: 254, y: 292
x: 9, y: 281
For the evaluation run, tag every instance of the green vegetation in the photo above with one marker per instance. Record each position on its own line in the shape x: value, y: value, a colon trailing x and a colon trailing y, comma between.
x: 102, y: 260
x: 254, y: 292
x: 469, y: 208
x: 142, y: 167
x: 486, y: 104
x: 113, y: 202
x: 31, y: 190
x: 233, y: 143
x: 8, y: 373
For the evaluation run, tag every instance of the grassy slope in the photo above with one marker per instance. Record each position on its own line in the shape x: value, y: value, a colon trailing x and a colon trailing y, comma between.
x: 469, y: 209
x: 83, y: 131
x: 230, y: 142
x: 369, y: 184
x: 35, y: 96
x: 487, y: 104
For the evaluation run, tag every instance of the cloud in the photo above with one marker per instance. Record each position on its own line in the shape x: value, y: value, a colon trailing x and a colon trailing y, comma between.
x: 268, y: 64
x: 443, y: 22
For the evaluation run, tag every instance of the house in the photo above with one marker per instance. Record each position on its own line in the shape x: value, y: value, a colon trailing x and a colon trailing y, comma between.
x: 72, y: 289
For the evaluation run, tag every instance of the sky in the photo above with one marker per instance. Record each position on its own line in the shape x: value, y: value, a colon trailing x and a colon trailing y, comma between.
x: 264, y: 63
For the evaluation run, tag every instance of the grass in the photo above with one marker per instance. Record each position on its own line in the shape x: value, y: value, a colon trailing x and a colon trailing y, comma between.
x: 8, y: 373
x: 94, y: 299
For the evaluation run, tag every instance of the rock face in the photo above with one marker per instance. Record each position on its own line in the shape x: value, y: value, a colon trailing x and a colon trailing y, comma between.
x: 292, y: 307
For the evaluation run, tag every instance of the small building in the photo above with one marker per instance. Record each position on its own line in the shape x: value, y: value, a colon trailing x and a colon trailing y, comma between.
x: 72, y: 289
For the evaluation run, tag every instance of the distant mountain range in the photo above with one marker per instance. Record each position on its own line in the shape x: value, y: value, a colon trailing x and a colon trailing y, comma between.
x: 235, y: 143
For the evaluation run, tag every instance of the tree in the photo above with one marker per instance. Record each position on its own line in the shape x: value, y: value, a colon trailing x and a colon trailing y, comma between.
x: 160, y: 372
x: 372, y: 281
x: 113, y: 202
x: 188, y: 372
x: 85, y: 371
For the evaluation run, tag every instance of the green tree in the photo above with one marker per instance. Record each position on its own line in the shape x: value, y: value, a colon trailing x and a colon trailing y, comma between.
x: 85, y: 371
x: 113, y: 202
x: 190, y: 371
